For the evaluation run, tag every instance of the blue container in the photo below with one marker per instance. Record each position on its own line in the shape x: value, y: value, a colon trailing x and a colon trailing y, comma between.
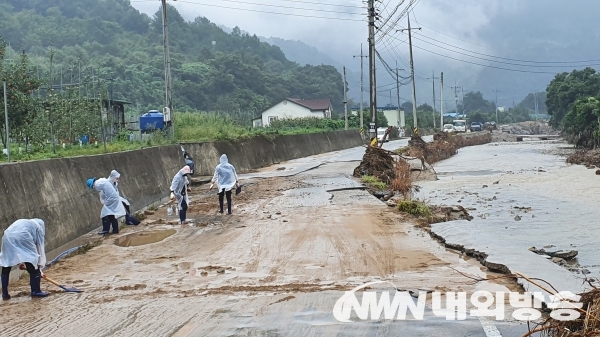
x: 152, y: 120
x: 85, y: 139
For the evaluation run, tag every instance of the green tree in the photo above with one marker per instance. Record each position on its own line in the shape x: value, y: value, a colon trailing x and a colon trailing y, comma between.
x: 20, y: 84
x: 581, y: 122
x: 566, y: 88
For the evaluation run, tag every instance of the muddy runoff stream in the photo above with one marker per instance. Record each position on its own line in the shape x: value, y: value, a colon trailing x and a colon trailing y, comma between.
x: 521, y: 195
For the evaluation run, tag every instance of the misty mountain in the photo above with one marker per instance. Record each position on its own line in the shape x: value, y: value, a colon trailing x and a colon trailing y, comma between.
x: 111, y: 39
x: 303, y: 54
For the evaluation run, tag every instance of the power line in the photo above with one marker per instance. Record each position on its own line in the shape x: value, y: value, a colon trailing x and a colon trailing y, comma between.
x: 488, y: 55
x: 535, y: 65
x: 324, y: 4
x: 483, y: 65
x: 398, y: 18
x: 261, y: 11
x: 398, y: 55
x: 289, y: 7
x: 450, y: 36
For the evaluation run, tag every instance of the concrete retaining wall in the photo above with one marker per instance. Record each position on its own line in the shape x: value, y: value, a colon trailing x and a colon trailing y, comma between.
x: 55, y: 190
x: 259, y: 152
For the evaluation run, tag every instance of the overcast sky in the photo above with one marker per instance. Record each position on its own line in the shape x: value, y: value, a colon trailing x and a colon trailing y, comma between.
x: 505, y: 31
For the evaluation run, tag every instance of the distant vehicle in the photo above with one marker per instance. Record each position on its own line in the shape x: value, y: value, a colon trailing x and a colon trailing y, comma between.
x: 505, y: 128
x: 380, y: 134
x: 448, y: 128
x: 476, y: 126
x: 460, y: 125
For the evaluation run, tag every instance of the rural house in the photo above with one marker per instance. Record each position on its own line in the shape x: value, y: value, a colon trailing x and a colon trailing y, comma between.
x: 295, y: 108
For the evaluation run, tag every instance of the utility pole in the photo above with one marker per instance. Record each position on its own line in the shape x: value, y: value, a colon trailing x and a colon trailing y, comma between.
x: 412, y: 72
x: 372, y: 77
x: 361, y: 84
x: 398, y: 87
x: 442, y: 101
x: 6, y: 118
x: 455, y: 88
x: 345, y: 100
x: 168, y: 98
x: 535, y: 104
x: 433, y: 78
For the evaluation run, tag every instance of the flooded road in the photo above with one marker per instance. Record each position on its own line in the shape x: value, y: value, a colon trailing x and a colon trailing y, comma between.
x: 521, y: 196
x: 276, y: 267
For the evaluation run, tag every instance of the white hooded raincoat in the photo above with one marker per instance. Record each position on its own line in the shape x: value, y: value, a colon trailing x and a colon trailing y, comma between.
x: 225, y: 175
x: 23, y: 241
x: 179, y: 186
x: 109, y: 198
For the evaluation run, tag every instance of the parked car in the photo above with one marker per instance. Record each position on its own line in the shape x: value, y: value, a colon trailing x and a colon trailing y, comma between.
x: 476, y: 126
x: 460, y: 125
x: 448, y: 128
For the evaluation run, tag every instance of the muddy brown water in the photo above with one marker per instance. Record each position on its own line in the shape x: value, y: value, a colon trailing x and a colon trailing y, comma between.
x: 144, y: 238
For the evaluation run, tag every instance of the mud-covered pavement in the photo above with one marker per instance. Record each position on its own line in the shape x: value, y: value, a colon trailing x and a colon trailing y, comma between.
x: 275, y: 267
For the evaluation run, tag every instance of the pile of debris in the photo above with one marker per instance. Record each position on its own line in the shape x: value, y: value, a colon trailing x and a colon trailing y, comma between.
x: 379, y: 163
x: 529, y: 128
x: 587, y: 325
x: 390, y: 168
x: 588, y: 158
x: 443, y: 146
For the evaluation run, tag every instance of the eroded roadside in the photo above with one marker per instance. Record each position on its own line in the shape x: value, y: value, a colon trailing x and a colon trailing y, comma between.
x: 275, y: 267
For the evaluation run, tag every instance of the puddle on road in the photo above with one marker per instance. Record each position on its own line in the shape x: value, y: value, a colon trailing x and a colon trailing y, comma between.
x: 144, y: 238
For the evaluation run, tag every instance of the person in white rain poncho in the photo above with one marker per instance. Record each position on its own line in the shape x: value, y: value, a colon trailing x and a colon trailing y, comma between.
x: 226, y: 179
x: 113, y: 207
x: 114, y: 179
x: 23, y: 242
x: 179, y: 188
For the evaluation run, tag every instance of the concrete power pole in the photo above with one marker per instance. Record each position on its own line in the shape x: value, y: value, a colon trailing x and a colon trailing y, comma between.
x: 372, y: 77
x: 168, y: 84
x: 442, y: 101
x: 345, y: 100
x: 433, y: 78
x: 398, y: 86
x: 412, y: 72
x: 455, y: 88
x: 361, y: 84
x: 6, y: 118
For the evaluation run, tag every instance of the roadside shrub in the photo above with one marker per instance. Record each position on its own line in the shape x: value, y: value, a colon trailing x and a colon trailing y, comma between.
x: 374, y: 182
x: 415, y: 208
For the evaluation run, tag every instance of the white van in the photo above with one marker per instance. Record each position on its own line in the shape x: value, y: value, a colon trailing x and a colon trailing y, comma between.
x: 380, y: 134
x: 460, y: 125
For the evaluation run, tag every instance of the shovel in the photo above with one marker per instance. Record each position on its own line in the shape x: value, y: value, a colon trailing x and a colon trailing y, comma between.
x: 69, y: 290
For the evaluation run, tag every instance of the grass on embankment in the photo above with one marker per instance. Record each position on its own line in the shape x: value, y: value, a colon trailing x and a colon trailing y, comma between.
x: 374, y: 182
x: 189, y: 127
x: 416, y: 208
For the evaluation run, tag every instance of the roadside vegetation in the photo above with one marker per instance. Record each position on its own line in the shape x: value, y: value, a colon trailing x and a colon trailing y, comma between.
x: 386, y: 170
x: 374, y: 182
x: 416, y: 208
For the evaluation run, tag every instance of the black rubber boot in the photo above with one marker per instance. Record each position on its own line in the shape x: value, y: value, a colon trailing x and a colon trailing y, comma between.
x: 34, y: 282
x: 5, y: 295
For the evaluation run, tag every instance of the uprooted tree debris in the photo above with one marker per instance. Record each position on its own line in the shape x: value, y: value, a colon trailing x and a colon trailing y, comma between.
x: 388, y: 167
x: 394, y: 169
x: 585, y: 157
x: 443, y: 146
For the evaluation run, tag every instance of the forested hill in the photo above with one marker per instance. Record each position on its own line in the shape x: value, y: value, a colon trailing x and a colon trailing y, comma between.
x: 238, y: 72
